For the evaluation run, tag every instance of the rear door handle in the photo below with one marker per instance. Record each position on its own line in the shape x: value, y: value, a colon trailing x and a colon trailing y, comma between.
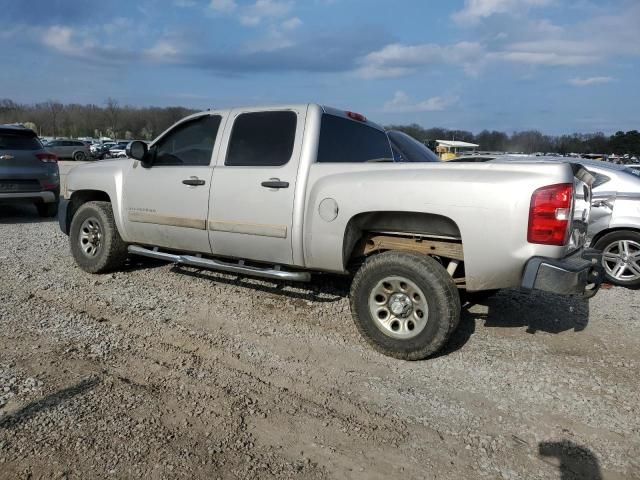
x: 194, y: 181
x: 275, y: 183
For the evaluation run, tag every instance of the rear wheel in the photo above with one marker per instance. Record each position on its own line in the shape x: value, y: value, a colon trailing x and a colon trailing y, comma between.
x: 405, y: 305
x: 95, y: 242
x: 47, y: 209
x: 621, y: 257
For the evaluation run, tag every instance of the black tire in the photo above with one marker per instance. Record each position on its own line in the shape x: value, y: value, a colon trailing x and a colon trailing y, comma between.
x: 436, y: 285
x: 79, y: 156
x: 110, y: 252
x: 47, y: 210
x: 608, y: 241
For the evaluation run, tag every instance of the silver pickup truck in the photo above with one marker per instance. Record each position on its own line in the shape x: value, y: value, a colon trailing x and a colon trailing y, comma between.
x: 283, y: 192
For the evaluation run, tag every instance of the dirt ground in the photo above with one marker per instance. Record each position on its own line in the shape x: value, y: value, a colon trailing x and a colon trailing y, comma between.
x: 165, y: 372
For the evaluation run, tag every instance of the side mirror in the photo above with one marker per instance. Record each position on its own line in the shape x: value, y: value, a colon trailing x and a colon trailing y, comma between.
x: 138, y: 150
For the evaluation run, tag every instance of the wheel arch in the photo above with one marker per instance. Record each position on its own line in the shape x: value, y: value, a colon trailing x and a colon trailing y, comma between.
x: 418, y: 223
x: 598, y: 236
x: 79, y: 198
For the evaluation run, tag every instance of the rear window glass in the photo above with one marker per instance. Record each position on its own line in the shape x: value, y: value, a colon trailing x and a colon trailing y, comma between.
x: 408, y: 149
x: 600, y: 179
x: 10, y: 141
x: 343, y: 140
x: 262, y: 139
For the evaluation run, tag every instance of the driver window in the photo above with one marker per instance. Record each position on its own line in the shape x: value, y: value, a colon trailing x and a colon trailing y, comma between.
x: 190, y: 143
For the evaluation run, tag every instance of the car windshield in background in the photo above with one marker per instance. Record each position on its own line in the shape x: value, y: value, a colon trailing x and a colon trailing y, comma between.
x: 633, y: 171
x: 408, y: 149
x: 11, y: 141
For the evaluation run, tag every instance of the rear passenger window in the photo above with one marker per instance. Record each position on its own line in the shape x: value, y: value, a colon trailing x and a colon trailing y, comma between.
x: 190, y: 143
x: 343, y: 140
x: 262, y: 139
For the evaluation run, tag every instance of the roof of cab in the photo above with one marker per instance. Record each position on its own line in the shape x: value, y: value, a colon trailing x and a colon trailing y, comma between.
x: 326, y: 109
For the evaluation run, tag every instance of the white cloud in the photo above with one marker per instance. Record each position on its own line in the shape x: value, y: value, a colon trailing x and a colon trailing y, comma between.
x: 397, y: 60
x: 223, y: 6
x: 401, y: 103
x: 61, y: 39
x: 274, y: 40
x: 163, y: 50
x: 291, y: 24
x: 548, y: 59
x: 264, y: 10
x: 476, y: 10
x: 585, y: 82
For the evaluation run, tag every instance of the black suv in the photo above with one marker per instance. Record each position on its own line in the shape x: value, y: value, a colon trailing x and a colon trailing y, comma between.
x: 27, y: 171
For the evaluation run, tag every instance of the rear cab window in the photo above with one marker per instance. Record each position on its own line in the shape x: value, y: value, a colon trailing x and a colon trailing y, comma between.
x: 262, y: 139
x: 350, y: 141
x: 19, y: 141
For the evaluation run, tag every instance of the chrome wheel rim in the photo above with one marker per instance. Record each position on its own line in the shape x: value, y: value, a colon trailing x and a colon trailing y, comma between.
x: 398, y: 307
x: 90, y: 237
x: 621, y: 260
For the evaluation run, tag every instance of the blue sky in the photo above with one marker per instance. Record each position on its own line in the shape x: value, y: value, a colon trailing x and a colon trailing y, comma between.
x: 557, y: 66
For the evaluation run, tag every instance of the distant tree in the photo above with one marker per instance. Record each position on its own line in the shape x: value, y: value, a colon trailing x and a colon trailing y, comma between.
x: 54, y: 109
x: 112, y: 111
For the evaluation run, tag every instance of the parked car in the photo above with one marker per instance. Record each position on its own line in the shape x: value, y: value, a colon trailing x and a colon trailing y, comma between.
x: 101, y: 150
x: 73, y: 149
x: 614, y: 227
x: 615, y: 221
x: 28, y: 172
x: 282, y: 192
x: 119, y: 150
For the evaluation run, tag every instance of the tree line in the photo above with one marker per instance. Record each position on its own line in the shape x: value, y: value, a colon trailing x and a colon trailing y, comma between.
x: 532, y: 141
x: 113, y: 120
x: 54, y: 119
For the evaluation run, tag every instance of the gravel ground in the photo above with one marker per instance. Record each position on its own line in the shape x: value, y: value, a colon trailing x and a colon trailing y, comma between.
x: 165, y: 372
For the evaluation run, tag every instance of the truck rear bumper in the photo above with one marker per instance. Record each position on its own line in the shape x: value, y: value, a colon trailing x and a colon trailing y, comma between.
x: 580, y: 273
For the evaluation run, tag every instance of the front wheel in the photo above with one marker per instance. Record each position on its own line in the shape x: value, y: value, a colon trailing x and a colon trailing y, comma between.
x: 405, y: 305
x: 621, y: 257
x: 95, y: 242
x: 79, y: 156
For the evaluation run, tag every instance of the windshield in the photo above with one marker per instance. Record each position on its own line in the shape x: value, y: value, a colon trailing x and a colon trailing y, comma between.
x: 408, y: 149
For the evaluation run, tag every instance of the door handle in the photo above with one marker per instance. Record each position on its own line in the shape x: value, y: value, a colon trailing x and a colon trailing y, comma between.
x: 275, y: 183
x: 193, y: 181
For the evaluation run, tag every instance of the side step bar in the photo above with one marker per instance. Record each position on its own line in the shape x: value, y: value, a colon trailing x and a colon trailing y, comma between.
x: 240, y: 267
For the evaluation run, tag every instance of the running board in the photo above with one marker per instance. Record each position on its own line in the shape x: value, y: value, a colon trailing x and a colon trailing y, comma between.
x: 240, y: 267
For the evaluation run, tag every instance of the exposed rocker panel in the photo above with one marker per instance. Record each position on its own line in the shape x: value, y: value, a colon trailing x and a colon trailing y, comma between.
x: 142, y: 217
x: 263, y: 230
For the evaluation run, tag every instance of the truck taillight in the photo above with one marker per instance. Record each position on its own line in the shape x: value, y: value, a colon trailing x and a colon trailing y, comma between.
x: 550, y: 214
x: 47, y: 157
